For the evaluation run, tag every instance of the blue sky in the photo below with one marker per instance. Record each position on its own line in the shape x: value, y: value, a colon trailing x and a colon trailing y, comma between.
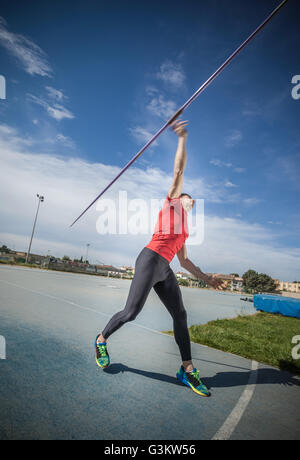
x: 89, y: 82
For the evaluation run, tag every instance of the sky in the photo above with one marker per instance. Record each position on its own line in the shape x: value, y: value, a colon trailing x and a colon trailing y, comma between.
x: 88, y: 84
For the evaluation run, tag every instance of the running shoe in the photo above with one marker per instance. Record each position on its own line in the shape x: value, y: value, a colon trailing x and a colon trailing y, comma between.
x: 102, y: 356
x: 192, y: 380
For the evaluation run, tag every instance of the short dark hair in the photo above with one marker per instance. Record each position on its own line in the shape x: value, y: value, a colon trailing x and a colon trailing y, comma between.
x: 185, y: 194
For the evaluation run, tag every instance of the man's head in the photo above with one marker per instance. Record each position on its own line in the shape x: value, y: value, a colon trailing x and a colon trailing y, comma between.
x: 187, y: 202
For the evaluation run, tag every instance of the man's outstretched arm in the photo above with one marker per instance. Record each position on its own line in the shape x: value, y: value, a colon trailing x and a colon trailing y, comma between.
x: 188, y: 265
x: 180, y: 159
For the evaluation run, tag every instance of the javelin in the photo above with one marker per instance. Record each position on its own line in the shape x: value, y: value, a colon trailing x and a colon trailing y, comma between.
x: 187, y: 103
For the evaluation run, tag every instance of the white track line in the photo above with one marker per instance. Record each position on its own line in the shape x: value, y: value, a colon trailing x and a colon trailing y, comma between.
x: 79, y: 306
x: 235, y: 416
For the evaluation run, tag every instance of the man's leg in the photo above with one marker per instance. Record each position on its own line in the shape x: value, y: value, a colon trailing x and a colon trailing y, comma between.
x: 137, y: 297
x: 170, y: 294
x: 140, y: 287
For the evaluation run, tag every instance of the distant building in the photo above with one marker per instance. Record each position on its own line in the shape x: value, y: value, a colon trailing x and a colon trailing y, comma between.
x: 64, y: 264
x: 36, y: 259
x: 287, y: 286
x: 232, y: 282
x: 128, y: 270
x: 18, y: 256
x: 4, y: 257
x: 110, y: 270
x: 183, y: 276
x: 237, y: 284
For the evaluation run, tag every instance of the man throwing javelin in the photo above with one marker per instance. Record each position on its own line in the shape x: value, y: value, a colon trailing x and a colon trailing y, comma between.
x: 152, y: 270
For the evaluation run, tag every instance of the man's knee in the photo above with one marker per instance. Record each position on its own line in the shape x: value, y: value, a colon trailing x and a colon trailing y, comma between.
x: 129, y: 315
x: 181, y: 315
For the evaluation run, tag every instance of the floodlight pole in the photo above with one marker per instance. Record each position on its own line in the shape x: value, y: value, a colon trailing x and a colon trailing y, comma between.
x: 87, y: 251
x: 41, y: 199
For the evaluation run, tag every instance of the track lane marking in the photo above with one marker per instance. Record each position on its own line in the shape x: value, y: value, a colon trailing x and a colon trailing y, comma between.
x: 236, y: 414
x: 60, y: 299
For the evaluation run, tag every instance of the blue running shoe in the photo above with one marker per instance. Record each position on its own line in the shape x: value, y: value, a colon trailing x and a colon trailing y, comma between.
x: 102, y: 356
x: 192, y: 380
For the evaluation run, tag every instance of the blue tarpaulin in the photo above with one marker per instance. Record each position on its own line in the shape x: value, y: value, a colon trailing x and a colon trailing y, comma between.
x: 286, y: 306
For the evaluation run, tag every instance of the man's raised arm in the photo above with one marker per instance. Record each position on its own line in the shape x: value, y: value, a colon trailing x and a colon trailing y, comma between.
x: 180, y: 159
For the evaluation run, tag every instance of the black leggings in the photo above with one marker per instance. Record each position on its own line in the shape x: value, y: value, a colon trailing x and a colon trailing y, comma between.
x: 153, y: 270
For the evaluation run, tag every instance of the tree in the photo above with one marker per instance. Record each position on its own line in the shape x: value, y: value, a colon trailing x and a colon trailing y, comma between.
x: 183, y: 282
x: 254, y: 282
x: 5, y: 249
x: 250, y: 281
x: 266, y: 283
x: 66, y: 258
x: 236, y: 275
x: 202, y: 284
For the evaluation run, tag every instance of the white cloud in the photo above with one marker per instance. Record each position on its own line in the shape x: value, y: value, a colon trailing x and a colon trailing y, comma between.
x: 56, y: 111
x: 233, y: 138
x: 162, y: 108
x: 230, y: 184
x: 59, y: 112
x: 251, y: 201
x: 141, y: 135
x: 290, y: 166
x: 69, y: 184
x: 55, y: 93
x: 250, y: 113
x: 10, y: 137
x: 224, y: 164
x: 151, y: 90
x: 7, y: 130
x: 233, y: 245
x: 219, y: 163
x: 30, y: 56
x: 65, y: 140
x: 171, y: 73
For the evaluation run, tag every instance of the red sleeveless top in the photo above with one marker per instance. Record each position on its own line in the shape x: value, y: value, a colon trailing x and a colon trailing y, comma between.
x: 171, y: 229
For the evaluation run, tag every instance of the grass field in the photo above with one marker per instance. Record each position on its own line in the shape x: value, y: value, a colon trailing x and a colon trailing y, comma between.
x: 264, y: 337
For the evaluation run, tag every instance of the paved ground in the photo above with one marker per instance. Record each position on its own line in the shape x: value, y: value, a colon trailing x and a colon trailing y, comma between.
x: 51, y: 388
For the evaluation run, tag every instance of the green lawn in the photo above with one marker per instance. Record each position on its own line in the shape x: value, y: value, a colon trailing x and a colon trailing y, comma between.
x: 264, y: 337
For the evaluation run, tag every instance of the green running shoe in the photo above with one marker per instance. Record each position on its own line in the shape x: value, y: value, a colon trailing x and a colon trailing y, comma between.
x: 192, y: 380
x: 102, y: 356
